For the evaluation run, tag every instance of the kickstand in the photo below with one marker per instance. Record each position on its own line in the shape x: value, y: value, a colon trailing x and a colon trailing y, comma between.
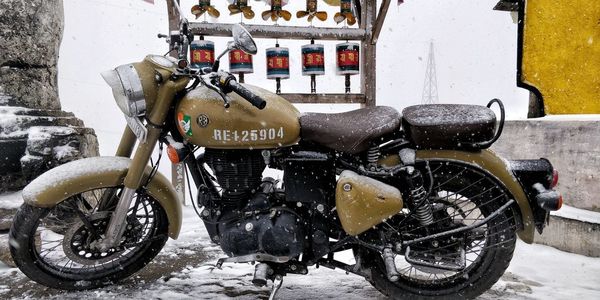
x: 276, y: 286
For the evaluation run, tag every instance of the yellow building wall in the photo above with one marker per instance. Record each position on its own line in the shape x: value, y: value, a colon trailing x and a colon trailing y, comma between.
x: 561, y: 54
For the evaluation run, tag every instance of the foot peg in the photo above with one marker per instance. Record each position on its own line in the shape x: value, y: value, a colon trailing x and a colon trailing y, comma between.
x: 262, y: 272
x: 456, y: 263
x: 390, y: 265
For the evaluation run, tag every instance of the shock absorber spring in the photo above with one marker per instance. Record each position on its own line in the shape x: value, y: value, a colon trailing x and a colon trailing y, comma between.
x: 418, y: 196
x: 373, y: 156
x: 423, y: 211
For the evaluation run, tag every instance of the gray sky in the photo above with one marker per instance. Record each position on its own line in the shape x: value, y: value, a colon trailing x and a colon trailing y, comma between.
x: 475, y: 55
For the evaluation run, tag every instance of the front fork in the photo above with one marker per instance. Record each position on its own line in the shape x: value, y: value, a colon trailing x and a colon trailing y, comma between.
x: 133, y: 179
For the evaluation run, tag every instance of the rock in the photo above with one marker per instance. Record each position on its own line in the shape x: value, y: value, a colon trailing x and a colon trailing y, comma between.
x: 5, y: 256
x: 31, y: 31
x: 34, y: 140
x: 6, y: 217
x: 34, y: 134
x: 30, y: 36
x: 30, y: 87
x: 50, y: 146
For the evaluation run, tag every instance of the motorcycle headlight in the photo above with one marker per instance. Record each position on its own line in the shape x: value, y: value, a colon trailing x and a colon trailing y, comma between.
x: 127, y: 89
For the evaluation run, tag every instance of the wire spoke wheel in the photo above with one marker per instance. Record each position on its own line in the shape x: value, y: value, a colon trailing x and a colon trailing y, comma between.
x: 60, y: 246
x: 462, y: 265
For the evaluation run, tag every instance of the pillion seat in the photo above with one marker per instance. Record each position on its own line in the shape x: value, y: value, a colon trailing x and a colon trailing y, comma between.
x: 350, y: 131
x: 449, y: 126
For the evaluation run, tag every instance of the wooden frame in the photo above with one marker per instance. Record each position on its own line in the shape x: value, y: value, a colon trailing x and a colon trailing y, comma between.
x: 370, y: 24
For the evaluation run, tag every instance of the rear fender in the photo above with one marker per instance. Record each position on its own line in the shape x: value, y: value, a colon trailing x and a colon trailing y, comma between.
x: 529, y: 172
x: 86, y: 174
x: 495, y: 166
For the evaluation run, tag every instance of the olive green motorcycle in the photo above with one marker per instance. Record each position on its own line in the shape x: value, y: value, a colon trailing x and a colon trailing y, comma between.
x: 426, y: 208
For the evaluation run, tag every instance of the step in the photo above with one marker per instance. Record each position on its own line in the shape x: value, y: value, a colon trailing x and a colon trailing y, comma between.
x: 573, y: 230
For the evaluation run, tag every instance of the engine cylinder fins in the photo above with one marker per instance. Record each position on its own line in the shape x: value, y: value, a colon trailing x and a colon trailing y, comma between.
x: 238, y: 172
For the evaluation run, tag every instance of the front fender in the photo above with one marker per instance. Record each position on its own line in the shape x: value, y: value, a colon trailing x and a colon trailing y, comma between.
x: 493, y: 164
x: 86, y: 174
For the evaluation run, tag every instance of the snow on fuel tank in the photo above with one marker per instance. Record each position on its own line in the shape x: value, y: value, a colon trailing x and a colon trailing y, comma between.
x: 203, y: 120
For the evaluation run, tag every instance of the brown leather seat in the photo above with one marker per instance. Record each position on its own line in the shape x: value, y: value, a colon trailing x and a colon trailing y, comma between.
x: 448, y: 126
x: 349, y: 131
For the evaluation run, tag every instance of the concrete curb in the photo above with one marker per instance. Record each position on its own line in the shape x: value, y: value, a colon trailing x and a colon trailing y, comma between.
x: 573, y: 232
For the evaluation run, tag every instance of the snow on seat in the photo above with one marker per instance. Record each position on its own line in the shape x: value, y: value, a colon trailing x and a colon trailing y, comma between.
x: 448, y: 126
x: 350, y: 131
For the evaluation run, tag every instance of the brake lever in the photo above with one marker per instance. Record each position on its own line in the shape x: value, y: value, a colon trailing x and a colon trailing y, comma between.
x: 208, y: 80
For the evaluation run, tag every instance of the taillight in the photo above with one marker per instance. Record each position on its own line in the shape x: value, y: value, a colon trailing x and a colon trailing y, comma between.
x: 554, y: 178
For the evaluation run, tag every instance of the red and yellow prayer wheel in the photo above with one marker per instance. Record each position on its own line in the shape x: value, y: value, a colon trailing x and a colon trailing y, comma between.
x: 313, y: 59
x: 313, y: 63
x: 240, y: 63
x: 278, y: 64
x: 202, y: 54
x: 348, y: 61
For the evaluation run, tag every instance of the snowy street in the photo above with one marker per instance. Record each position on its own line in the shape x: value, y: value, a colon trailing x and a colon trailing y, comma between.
x: 184, y: 270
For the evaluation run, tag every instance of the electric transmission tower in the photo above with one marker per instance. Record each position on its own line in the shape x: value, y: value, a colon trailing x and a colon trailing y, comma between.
x: 430, y: 90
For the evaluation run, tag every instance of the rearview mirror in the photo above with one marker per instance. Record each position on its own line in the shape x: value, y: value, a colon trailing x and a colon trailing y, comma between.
x: 243, y: 39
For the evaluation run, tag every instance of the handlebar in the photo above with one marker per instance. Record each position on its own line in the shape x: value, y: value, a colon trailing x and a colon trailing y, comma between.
x: 223, y: 83
x: 251, y: 97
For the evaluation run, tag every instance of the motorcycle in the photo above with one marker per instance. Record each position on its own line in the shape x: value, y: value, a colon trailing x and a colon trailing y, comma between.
x: 425, y: 207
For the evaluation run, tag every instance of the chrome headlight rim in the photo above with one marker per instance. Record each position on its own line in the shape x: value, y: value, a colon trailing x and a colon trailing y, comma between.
x: 127, y: 89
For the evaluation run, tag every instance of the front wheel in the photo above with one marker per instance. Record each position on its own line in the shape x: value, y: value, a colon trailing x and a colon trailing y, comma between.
x: 459, y: 266
x: 57, y: 246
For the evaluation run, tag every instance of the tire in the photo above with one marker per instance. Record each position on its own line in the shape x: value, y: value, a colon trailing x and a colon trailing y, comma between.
x: 493, y: 258
x: 33, y: 255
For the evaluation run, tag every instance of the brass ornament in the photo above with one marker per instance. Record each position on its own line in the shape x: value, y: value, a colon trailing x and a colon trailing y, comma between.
x: 204, y: 6
x: 311, y: 12
x: 345, y: 13
x: 241, y: 6
x: 276, y: 11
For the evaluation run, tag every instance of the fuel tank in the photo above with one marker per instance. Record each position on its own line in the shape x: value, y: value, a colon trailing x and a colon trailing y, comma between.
x: 203, y: 120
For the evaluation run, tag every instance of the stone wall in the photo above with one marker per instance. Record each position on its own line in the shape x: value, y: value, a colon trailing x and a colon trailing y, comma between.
x: 30, y: 36
x: 35, y: 135
x: 573, y: 147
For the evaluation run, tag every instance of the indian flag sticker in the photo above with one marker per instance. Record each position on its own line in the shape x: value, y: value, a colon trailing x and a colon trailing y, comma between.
x: 185, y: 123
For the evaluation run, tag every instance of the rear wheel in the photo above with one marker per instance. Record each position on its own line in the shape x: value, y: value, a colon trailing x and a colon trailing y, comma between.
x: 462, y: 265
x: 57, y: 246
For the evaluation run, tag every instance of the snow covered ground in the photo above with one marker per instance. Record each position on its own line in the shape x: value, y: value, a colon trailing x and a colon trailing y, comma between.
x: 184, y: 270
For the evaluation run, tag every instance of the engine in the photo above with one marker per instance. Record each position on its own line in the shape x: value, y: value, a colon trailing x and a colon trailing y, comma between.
x: 249, y: 215
x: 238, y: 172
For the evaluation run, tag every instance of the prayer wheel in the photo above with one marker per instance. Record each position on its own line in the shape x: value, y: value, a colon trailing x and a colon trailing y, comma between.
x: 240, y: 63
x: 348, y: 61
x: 313, y: 63
x: 202, y: 54
x: 278, y: 64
